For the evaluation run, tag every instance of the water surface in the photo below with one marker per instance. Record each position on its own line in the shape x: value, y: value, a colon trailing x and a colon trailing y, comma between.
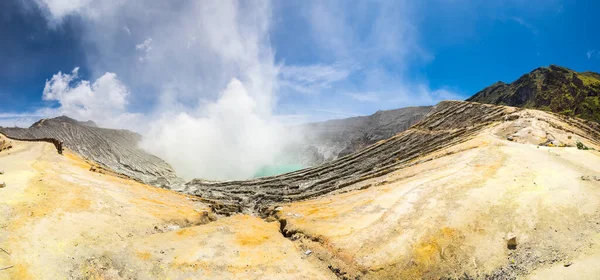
x: 272, y: 170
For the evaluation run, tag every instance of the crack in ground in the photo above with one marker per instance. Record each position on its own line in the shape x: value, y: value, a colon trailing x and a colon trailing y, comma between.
x: 318, y: 247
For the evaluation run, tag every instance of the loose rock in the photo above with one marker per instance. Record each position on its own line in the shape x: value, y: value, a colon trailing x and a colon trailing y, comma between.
x: 511, y: 240
x: 2, y: 185
x: 308, y: 252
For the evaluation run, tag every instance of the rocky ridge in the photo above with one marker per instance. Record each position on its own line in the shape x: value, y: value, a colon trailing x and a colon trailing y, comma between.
x: 114, y: 149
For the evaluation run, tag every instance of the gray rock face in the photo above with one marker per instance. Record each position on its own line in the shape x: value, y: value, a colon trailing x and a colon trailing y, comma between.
x: 329, y: 140
x: 115, y: 149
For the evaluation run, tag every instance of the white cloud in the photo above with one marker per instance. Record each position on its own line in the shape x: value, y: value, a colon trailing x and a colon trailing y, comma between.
x: 17, y: 122
x: 364, y: 96
x: 19, y: 119
x: 526, y: 24
x: 144, y: 48
x: 384, y: 48
x: 57, y: 9
x: 592, y: 53
x: 18, y: 115
x: 313, y: 78
x: 339, y: 114
x: 103, y: 101
x: 388, y: 33
x: 407, y: 95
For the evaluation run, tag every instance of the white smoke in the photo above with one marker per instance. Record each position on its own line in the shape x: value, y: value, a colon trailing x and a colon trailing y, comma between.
x: 207, y: 71
x: 230, y: 142
x: 206, y: 67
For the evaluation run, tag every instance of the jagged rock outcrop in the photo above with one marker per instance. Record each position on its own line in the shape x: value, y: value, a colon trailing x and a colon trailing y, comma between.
x: 555, y: 88
x: 329, y: 140
x: 115, y: 149
x: 448, y: 123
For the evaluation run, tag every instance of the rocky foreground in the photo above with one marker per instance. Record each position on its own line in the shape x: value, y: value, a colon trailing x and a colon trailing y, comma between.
x: 467, y: 193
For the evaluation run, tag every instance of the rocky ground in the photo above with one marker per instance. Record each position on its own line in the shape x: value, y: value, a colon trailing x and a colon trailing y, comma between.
x: 467, y: 193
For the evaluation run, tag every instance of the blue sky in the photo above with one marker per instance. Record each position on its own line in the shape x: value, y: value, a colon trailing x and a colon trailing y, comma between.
x: 333, y: 59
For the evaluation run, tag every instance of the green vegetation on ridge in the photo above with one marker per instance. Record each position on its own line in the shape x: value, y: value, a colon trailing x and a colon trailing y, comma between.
x: 555, y: 88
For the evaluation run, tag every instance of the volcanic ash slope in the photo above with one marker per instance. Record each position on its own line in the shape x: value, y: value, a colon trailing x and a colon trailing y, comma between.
x: 447, y: 198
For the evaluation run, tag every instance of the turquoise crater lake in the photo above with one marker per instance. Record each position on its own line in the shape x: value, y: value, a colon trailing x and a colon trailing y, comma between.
x: 272, y: 170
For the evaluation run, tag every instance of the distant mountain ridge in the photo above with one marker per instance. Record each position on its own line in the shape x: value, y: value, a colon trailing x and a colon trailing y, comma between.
x: 65, y: 119
x: 554, y: 88
x: 116, y: 149
x: 329, y: 140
